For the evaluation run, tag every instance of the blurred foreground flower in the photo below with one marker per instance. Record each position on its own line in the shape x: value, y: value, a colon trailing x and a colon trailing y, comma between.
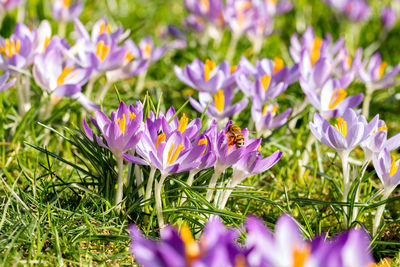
x: 5, y: 83
x: 218, y: 247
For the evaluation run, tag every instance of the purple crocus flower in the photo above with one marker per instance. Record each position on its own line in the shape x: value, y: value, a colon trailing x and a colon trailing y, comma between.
x: 220, y: 103
x: 239, y: 16
x: 122, y: 131
x: 388, y: 18
x: 349, y: 131
x: 63, y: 10
x: 210, y: 10
x: 387, y: 170
x: 355, y: 10
x: 208, y: 76
x: 248, y: 165
x: 217, y: 247
x: 4, y: 83
x: 333, y: 100
x: 61, y: 78
x: 373, y: 72
x: 316, y: 47
x: 8, y: 5
x: 194, y: 23
x: 287, y: 246
x: 190, y: 129
x: 265, y: 118
x: 147, y: 51
x: 17, y: 51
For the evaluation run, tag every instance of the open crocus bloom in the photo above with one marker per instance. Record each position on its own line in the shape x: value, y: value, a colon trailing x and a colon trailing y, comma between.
x: 190, y: 129
x: 220, y: 104
x: 122, y: 131
x: 61, y: 78
x: 387, y: 169
x: 217, y: 247
x: 333, y: 100
x: 208, y: 76
x: 64, y: 10
x: 315, y: 47
x: 4, y: 83
x: 288, y: 248
x: 207, y: 9
x: 17, y: 50
x: 373, y: 72
x: 240, y: 16
x: 147, y: 51
x: 266, y: 118
x: 349, y: 131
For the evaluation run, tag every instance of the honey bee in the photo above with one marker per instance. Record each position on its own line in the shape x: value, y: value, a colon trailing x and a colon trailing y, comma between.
x: 235, y: 136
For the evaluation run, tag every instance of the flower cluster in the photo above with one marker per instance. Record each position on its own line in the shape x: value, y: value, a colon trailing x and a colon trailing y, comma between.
x: 253, y: 18
x: 61, y: 69
x: 355, y: 10
x: 173, y: 145
x: 262, y: 84
x: 218, y: 247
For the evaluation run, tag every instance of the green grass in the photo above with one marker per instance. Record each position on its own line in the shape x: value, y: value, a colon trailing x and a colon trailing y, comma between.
x: 55, y: 194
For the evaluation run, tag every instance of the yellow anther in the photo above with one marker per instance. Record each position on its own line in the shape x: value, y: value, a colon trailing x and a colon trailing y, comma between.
x: 183, y: 122
x: 272, y: 111
x: 219, y: 100
x: 337, y: 96
x: 341, y: 126
x: 209, y: 66
x: 11, y: 48
x: 316, y: 50
x: 205, y: 4
x: 265, y: 81
x: 192, y: 249
x: 102, y: 50
x: 383, y: 128
x: 278, y: 64
x: 349, y: 61
x: 104, y: 27
x: 274, y: 2
x: 122, y: 123
x: 147, y: 51
x: 233, y: 69
x: 203, y: 142
x: 46, y: 43
x: 160, y: 139
x: 382, y: 68
x: 66, y: 3
x: 393, y: 167
x: 129, y: 57
x: 240, y: 261
x: 300, y: 256
x: 65, y: 72
x: 174, y: 156
x: 132, y: 115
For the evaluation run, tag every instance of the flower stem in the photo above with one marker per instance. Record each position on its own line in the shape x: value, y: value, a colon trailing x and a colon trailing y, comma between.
x: 140, y: 82
x: 213, y: 183
x: 232, y: 47
x: 21, y: 96
x: 363, y: 169
x: 225, y: 195
x: 62, y: 28
x: 346, y: 183
x: 150, y: 182
x: 157, y: 193
x: 367, y: 101
x: 379, y: 213
x: 120, y: 184
x: 103, y: 91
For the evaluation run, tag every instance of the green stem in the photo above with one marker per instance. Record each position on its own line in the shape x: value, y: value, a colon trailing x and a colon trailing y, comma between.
x: 120, y: 184
x: 157, y: 193
x: 232, y: 47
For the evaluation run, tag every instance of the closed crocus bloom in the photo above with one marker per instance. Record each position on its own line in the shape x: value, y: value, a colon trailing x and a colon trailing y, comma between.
x: 64, y: 10
x: 61, y: 78
x: 99, y: 28
x: 333, y: 100
x: 387, y: 169
x: 208, y: 9
x: 266, y: 118
x: 248, y: 165
x: 5, y: 83
x: 122, y: 131
x: 207, y: 77
x: 388, y: 18
x: 221, y: 105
